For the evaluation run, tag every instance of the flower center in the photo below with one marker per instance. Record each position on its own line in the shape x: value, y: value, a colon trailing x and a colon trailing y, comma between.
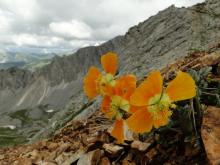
x: 105, y: 82
x: 118, y: 107
x: 159, y: 104
x: 108, y: 79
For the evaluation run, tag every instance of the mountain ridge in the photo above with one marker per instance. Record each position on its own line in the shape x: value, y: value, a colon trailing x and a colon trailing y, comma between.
x: 151, y: 44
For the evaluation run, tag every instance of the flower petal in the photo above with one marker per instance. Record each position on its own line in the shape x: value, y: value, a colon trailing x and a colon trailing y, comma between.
x: 163, y: 118
x: 160, y: 122
x: 141, y: 121
x: 106, y: 109
x: 125, y: 86
x: 106, y: 90
x: 105, y: 104
x: 109, y: 62
x: 182, y: 87
x: 151, y: 86
x: 118, y: 131
x: 90, y: 87
x: 134, y: 109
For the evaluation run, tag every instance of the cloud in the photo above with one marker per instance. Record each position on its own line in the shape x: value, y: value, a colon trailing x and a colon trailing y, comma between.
x: 5, y: 22
x: 24, y: 9
x: 74, y: 29
x: 36, y: 40
x: 72, y: 24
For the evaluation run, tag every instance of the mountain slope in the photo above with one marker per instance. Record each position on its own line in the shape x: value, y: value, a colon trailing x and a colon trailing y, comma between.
x: 88, y: 141
x: 152, y: 44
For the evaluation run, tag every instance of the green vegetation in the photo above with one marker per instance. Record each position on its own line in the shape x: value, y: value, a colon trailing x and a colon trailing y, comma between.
x: 9, y: 137
x: 21, y: 115
x: 37, y: 64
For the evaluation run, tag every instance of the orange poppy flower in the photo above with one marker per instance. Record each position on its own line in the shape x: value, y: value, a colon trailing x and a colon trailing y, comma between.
x: 116, y: 105
x: 95, y: 82
x: 156, y: 102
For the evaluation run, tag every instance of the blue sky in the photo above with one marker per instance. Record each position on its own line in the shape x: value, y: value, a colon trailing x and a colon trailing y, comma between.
x: 71, y: 24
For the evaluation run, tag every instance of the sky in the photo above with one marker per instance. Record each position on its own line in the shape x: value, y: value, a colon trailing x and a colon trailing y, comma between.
x: 71, y: 24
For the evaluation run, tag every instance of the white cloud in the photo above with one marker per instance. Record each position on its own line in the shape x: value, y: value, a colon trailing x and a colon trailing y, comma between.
x: 186, y: 3
x: 5, y: 21
x: 84, y: 43
x: 24, y: 9
x: 72, y: 29
x: 36, y: 40
x: 73, y: 24
x: 24, y: 39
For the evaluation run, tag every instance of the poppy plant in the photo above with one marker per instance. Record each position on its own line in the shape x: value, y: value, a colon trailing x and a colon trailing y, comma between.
x: 117, y: 105
x: 156, y: 102
x: 95, y: 82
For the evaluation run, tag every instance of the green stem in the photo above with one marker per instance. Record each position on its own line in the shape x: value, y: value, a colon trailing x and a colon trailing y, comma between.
x: 193, y: 116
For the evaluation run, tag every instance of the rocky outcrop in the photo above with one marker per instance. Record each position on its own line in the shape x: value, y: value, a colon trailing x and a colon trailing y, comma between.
x: 211, y: 134
x: 15, y: 78
x: 152, y: 44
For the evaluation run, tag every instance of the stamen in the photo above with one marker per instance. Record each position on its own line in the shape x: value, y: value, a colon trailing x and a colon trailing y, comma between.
x: 158, y: 104
x: 119, y: 106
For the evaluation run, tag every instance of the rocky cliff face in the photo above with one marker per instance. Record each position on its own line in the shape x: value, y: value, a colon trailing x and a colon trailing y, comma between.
x: 53, y: 92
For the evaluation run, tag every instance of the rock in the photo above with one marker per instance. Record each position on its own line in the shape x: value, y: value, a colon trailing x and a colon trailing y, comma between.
x: 63, y: 147
x: 206, y: 59
x: 67, y: 158
x: 23, y: 161
x: 104, y: 161
x: 73, y: 157
x: 126, y: 162
x: 150, y: 154
x: 43, y: 143
x: 102, y: 137
x: 141, y: 146
x: 112, y: 149
x: 48, y: 163
x: 60, y: 158
x: 34, y: 156
x: 211, y: 134
x: 51, y: 156
x: 2, y: 157
x: 52, y: 146
x: 91, y: 158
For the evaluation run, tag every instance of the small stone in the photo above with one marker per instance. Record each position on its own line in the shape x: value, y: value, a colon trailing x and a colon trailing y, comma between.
x: 23, y: 161
x: 60, y: 159
x: 43, y: 143
x: 92, y: 139
x: 51, y: 156
x: 126, y: 162
x: 91, y: 158
x: 63, y: 147
x: 48, y: 163
x: 104, y: 161
x: 73, y: 157
x: 52, y: 146
x: 2, y: 157
x: 141, y: 146
x: 34, y: 155
x: 112, y: 148
x: 150, y: 154
x: 84, y: 139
